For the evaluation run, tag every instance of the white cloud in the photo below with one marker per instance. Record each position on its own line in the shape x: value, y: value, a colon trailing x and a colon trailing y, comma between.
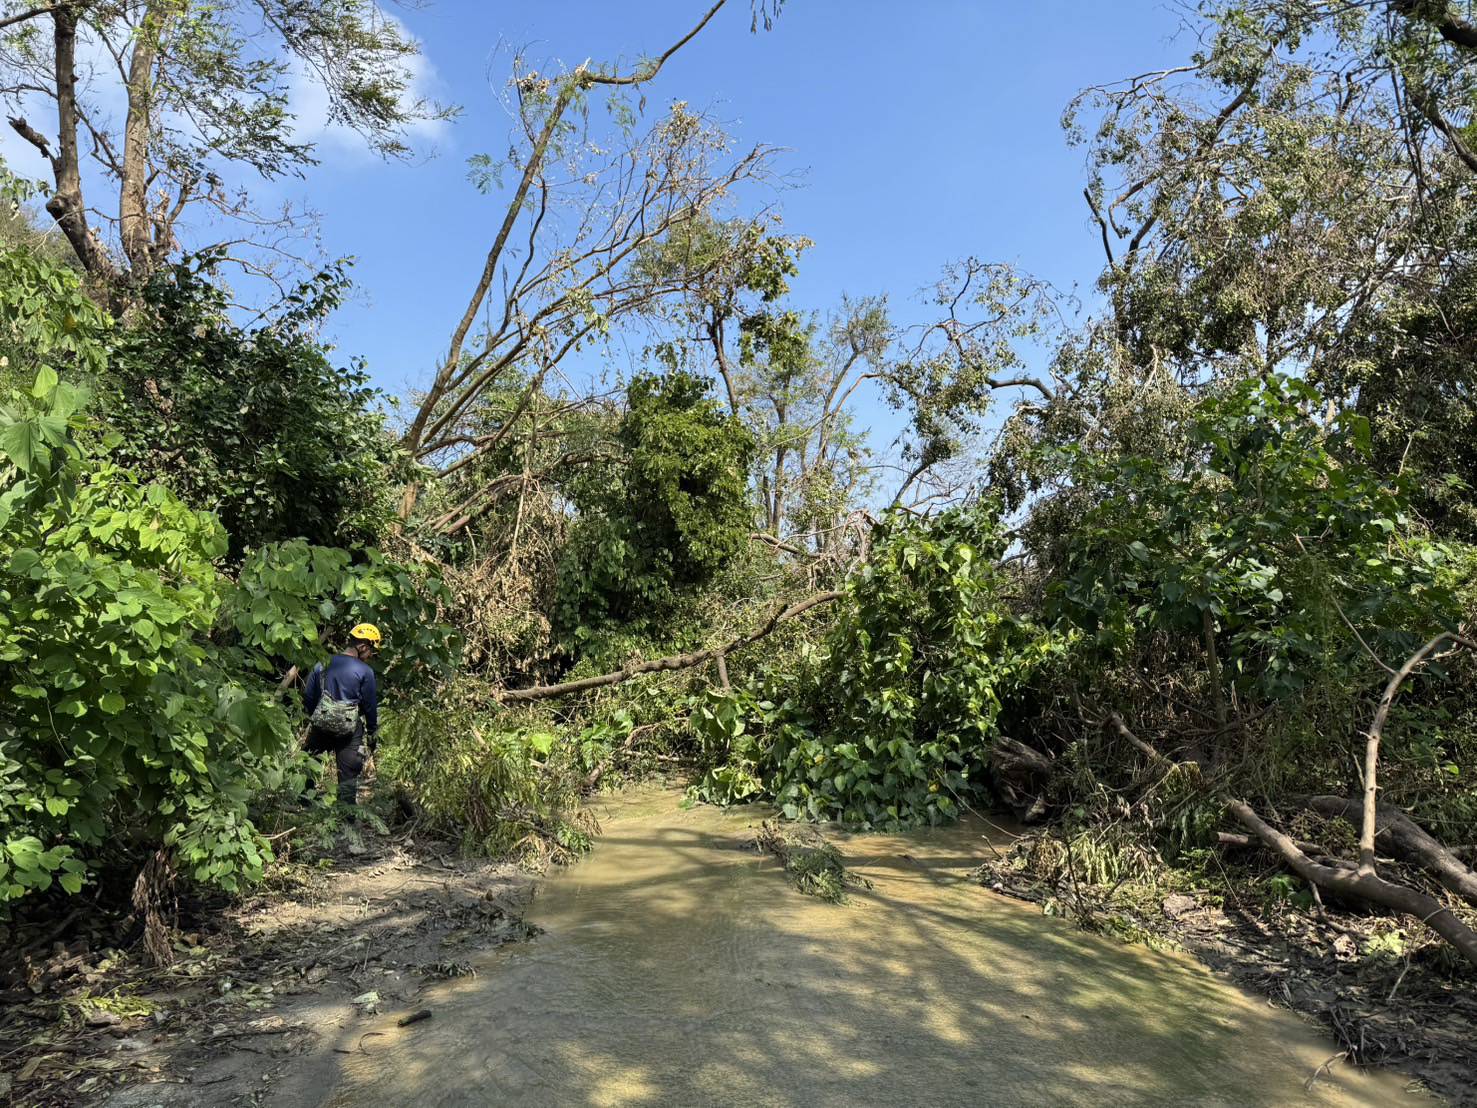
x: 309, y: 104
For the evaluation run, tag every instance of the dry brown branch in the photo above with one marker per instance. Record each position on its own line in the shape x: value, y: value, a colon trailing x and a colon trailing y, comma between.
x: 552, y: 305
x: 1115, y: 724
x: 21, y: 17
x: 1359, y: 884
x: 673, y: 662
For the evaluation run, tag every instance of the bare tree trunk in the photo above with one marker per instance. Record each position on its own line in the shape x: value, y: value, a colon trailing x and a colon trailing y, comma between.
x: 715, y: 334
x: 414, y: 436
x: 133, y: 199
x: 149, y: 892
x: 66, y: 204
x: 1372, y: 742
x: 1213, y: 660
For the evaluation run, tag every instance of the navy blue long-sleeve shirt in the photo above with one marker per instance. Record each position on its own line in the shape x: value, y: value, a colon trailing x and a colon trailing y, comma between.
x: 345, y: 678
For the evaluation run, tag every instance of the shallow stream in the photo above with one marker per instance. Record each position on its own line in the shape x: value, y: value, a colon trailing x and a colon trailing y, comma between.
x: 678, y: 967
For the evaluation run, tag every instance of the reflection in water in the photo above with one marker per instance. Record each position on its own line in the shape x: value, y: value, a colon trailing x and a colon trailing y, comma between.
x: 679, y: 968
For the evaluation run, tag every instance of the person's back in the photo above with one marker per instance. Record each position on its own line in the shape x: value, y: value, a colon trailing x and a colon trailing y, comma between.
x: 346, y: 678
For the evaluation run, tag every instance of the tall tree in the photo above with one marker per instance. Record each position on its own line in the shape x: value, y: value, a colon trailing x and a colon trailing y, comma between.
x: 565, y: 263
x: 203, y: 94
x: 1285, y: 201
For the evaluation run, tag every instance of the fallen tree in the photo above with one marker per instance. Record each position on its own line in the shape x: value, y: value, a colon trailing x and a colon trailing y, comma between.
x: 672, y: 662
x: 1400, y: 835
x: 1354, y: 882
x: 1359, y: 880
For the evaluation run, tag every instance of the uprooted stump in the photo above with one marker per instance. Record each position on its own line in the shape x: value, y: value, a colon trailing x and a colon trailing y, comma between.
x: 815, y: 867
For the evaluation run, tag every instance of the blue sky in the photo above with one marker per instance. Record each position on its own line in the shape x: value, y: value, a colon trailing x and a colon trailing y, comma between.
x: 923, y: 132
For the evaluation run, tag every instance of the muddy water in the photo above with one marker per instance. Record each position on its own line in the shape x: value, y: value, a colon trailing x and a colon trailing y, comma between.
x: 679, y: 969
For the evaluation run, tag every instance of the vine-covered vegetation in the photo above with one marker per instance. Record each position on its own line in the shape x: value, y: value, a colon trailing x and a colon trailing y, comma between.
x: 1170, y: 573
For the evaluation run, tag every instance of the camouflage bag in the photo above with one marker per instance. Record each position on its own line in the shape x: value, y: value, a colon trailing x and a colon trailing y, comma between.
x: 338, y: 718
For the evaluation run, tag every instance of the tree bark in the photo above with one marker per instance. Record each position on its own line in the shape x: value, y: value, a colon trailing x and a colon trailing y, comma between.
x: 674, y: 662
x: 138, y: 127
x: 1451, y: 26
x: 66, y: 204
x: 1357, y: 883
x: 1402, y: 836
x: 21, y: 17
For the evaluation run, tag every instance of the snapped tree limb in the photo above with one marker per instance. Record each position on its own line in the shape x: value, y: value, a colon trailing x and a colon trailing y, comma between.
x: 1357, y: 883
x: 674, y: 662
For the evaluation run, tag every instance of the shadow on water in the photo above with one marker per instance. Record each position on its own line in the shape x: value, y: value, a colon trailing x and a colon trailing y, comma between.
x: 678, y: 968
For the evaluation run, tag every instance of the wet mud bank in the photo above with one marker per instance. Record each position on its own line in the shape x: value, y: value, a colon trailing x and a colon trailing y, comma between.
x: 677, y: 966
x: 262, y: 995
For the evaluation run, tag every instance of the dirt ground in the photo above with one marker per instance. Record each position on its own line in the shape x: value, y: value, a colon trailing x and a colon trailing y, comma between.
x: 256, y: 1008
x: 1390, y: 997
x: 273, y: 999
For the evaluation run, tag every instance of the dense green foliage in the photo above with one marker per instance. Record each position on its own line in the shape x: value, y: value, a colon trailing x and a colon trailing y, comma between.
x: 1265, y: 529
x: 660, y: 516
x: 139, y: 705
x: 1259, y: 569
x: 45, y: 317
x: 888, y: 721
x: 254, y: 424
x: 128, y: 717
x: 502, y: 786
x: 120, y: 719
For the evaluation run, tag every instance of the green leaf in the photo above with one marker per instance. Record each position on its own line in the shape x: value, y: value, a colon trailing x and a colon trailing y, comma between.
x: 21, y: 443
x: 112, y: 703
x: 46, y: 381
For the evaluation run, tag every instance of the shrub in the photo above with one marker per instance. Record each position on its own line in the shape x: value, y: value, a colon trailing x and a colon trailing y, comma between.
x: 888, y: 722
x: 256, y: 423
x: 119, y: 721
x: 501, y: 786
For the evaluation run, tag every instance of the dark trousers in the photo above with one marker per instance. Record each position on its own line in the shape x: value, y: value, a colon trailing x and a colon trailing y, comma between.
x: 348, y: 754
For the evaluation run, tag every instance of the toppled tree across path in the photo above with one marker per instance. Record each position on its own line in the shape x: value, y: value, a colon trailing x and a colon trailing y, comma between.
x: 1179, y: 568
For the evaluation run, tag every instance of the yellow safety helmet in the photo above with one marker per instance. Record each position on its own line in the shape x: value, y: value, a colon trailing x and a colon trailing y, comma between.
x: 368, y: 632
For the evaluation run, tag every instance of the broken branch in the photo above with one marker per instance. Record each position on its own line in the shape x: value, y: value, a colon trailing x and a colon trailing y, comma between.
x: 674, y: 662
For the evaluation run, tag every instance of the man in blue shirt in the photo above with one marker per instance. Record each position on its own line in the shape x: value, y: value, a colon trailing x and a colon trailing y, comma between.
x: 342, y: 702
